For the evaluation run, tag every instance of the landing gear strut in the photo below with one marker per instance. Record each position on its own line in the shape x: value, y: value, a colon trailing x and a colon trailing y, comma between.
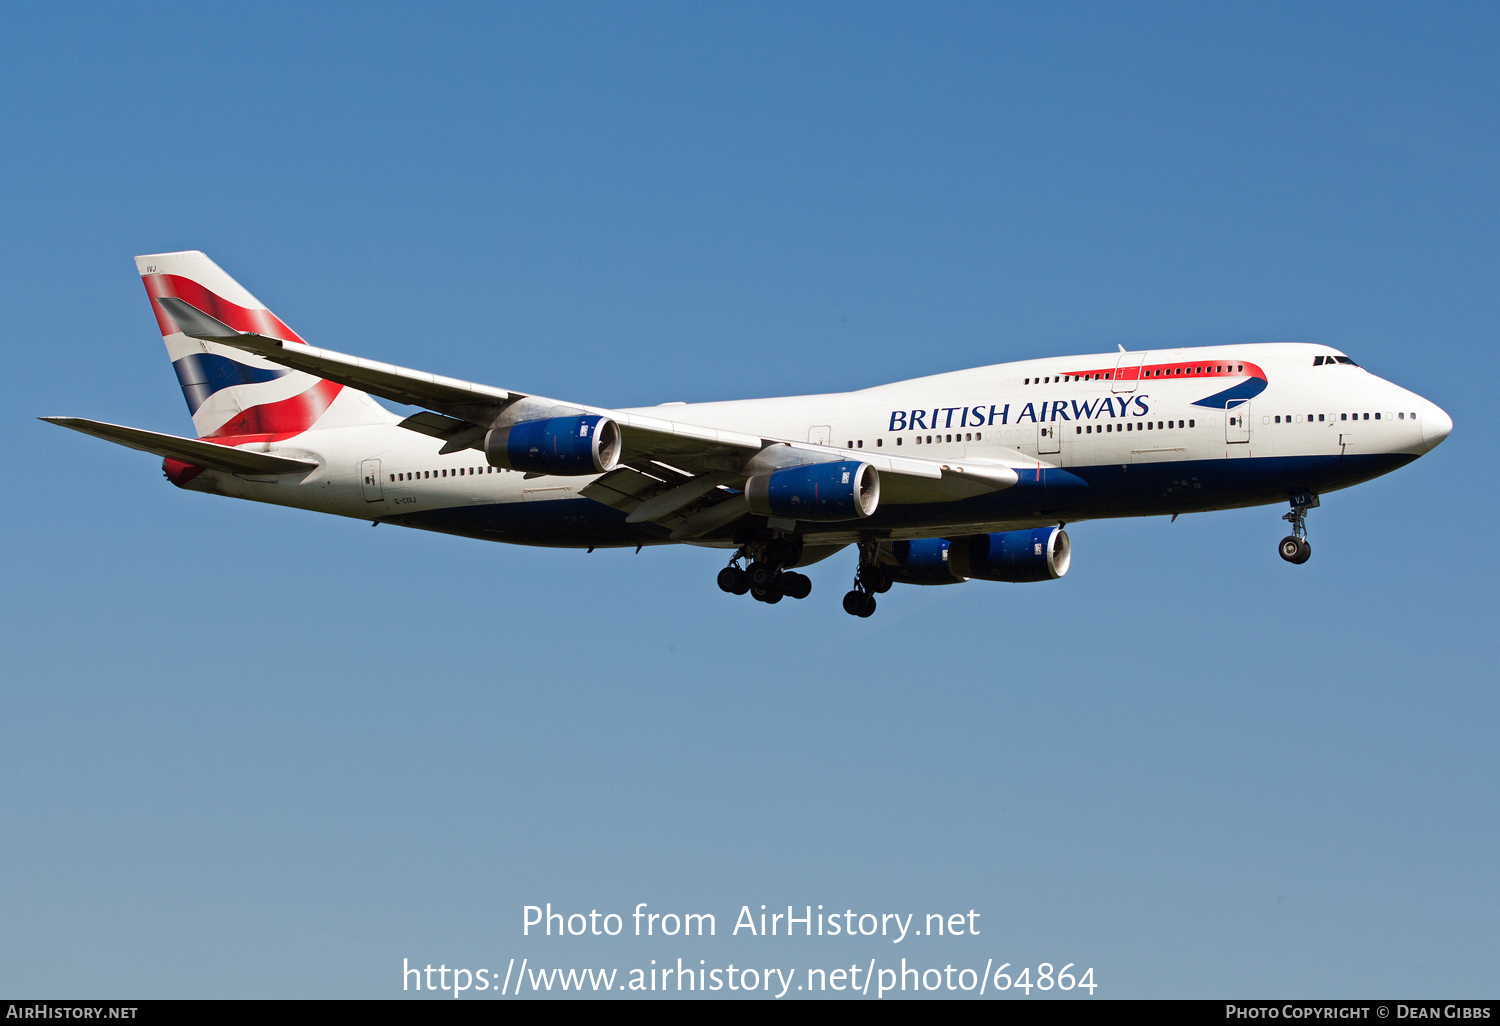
x: 763, y: 578
x: 869, y: 579
x: 1294, y: 548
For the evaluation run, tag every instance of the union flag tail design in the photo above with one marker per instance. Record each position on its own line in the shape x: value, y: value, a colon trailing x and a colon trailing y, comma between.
x: 234, y: 397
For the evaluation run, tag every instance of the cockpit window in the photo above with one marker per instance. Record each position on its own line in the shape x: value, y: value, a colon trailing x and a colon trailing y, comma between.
x: 1345, y: 359
x: 1330, y: 361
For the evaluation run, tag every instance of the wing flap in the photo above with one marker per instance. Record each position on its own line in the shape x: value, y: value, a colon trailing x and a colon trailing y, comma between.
x: 187, y: 450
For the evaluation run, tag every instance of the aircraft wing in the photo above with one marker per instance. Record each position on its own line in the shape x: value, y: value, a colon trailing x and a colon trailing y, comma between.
x: 187, y: 450
x: 695, y: 463
x: 460, y: 399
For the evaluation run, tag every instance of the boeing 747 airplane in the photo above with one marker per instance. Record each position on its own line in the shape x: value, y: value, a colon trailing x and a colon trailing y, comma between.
x: 968, y: 475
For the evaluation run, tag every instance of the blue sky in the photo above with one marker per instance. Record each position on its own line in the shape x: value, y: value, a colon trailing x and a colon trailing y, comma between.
x: 258, y: 752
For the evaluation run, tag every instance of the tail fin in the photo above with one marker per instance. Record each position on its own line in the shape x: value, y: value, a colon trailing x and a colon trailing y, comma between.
x: 235, y: 397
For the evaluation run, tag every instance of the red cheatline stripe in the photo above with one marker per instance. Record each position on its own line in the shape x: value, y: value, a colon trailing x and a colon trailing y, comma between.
x: 1184, y: 369
x: 261, y: 322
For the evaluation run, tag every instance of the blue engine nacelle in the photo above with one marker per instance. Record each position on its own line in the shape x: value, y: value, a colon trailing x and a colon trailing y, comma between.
x: 1042, y: 554
x: 923, y: 561
x: 846, y: 490
x: 565, y: 446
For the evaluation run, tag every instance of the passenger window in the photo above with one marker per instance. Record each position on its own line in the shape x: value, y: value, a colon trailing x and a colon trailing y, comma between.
x: 1078, y: 431
x: 1192, y: 423
x: 1377, y: 416
x: 1367, y: 416
x: 978, y: 437
x: 1320, y: 418
x: 880, y: 443
x: 898, y: 441
x: 1278, y: 420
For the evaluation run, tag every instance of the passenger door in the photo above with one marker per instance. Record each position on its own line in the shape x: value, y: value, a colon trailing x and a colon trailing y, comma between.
x: 1049, y: 438
x: 1237, y: 423
x: 819, y: 435
x: 1127, y: 372
x: 370, y: 473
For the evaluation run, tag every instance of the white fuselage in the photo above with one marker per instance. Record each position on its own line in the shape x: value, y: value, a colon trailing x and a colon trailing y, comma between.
x: 1320, y: 427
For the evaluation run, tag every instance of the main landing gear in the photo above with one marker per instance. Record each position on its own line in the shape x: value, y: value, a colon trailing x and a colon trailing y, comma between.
x: 869, y: 580
x: 1294, y: 548
x: 763, y: 578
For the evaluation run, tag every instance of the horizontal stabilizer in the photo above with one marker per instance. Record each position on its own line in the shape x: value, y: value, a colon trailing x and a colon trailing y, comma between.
x: 187, y: 450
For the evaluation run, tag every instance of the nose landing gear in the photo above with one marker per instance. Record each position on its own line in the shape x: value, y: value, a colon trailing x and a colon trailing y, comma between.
x: 1294, y: 548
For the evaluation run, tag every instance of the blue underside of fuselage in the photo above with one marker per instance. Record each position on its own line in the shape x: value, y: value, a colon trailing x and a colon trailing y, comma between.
x: 1073, y: 494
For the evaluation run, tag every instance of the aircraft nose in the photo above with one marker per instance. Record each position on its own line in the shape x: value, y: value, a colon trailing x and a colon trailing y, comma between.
x: 1436, y: 425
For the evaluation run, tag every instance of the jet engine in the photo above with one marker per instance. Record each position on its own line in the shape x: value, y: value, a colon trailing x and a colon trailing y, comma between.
x: 565, y: 446
x: 846, y: 490
x: 922, y: 561
x: 1042, y: 554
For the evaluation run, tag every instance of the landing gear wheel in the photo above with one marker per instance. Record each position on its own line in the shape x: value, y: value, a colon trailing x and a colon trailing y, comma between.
x: 874, y: 578
x: 734, y: 580
x: 1294, y: 549
x: 859, y: 603
x: 770, y: 592
x: 794, y: 585
x: 760, y: 575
